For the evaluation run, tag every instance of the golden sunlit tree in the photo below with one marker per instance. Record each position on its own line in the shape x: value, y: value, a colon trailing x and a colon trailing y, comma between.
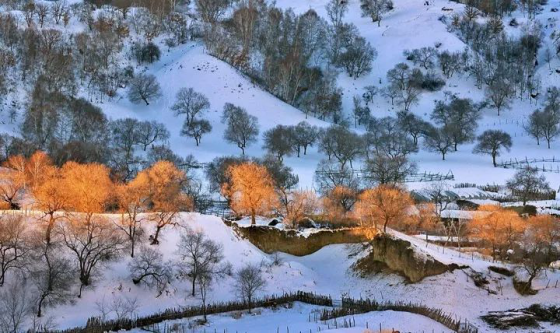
x: 384, y: 206
x: 133, y: 199
x: 546, y: 230
x: 338, y: 203
x: 88, y: 188
x: 299, y: 205
x: 167, y: 198
x: 88, y: 235
x: 425, y: 219
x: 251, y: 190
x: 539, y: 249
x: 50, y: 197
x: 35, y: 168
x: 498, y: 227
x: 12, y: 181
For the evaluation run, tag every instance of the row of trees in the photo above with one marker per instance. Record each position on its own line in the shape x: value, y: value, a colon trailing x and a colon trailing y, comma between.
x: 505, y: 65
x: 545, y: 124
x: 298, y: 52
x: 36, y: 275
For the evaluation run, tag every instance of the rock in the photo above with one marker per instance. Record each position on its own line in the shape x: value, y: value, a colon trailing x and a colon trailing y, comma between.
x: 509, y: 319
x: 398, y: 256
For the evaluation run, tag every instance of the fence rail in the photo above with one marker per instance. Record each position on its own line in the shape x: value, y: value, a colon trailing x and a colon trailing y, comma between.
x: 352, y: 307
x: 420, y: 177
x: 344, y: 307
x: 527, y: 162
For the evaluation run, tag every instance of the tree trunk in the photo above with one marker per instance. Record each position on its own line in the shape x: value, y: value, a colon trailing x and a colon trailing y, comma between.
x: 132, y: 246
x: 40, y: 307
x: 155, y: 241
x: 50, y: 227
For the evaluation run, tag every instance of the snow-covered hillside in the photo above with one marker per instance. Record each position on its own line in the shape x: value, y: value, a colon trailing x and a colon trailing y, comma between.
x: 325, y: 272
x: 410, y: 25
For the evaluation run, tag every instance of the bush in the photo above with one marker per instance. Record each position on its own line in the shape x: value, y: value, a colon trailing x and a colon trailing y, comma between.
x: 147, y: 53
x: 432, y: 82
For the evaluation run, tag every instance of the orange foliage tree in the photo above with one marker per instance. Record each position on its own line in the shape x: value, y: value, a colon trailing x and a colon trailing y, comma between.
x: 338, y: 203
x: 89, y: 236
x: 50, y: 197
x: 251, y: 190
x: 133, y: 199
x: 498, y: 227
x: 425, y: 219
x: 166, y: 197
x: 546, y: 230
x: 88, y: 188
x: 383, y: 205
x: 35, y: 168
x: 299, y: 205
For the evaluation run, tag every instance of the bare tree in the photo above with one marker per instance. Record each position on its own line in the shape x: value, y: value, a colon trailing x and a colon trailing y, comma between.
x: 386, y: 170
x: 459, y: 117
x: 190, y: 103
x: 526, y: 183
x: 534, y: 127
x: 92, y: 244
x: 249, y: 282
x: 279, y: 141
x: 144, y: 87
x: 549, y: 124
x: 212, y: 10
x: 450, y: 63
x: 375, y: 9
x: 14, y: 306
x: 358, y: 57
x: 52, y: 277
x: 124, y: 307
x: 500, y: 92
x: 341, y: 143
x: 440, y: 195
x: 149, y: 267
x: 204, y: 286
x: 304, y: 135
x: 196, y: 129
x: 440, y: 140
x: 491, y: 142
x: 42, y: 11
x: 148, y: 132
x: 13, y: 248
x: 242, y: 128
x: 59, y: 10
x: 200, y: 256
x: 424, y: 57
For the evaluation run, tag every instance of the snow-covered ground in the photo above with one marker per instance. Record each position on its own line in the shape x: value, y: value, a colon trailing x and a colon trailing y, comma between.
x: 325, y: 272
x: 410, y: 25
x: 300, y: 318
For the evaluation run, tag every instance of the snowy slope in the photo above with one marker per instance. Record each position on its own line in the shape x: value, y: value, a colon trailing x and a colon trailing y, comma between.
x: 410, y: 25
x: 325, y: 272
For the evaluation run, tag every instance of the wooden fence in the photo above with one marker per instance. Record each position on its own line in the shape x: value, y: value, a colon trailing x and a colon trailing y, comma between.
x: 345, y: 307
x: 420, y: 177
x: 548, y: 164
x: 96, y: 325
x: 352, y: 307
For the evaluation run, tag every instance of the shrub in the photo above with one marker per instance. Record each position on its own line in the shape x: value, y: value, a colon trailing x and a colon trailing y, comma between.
x: 146, y: 53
